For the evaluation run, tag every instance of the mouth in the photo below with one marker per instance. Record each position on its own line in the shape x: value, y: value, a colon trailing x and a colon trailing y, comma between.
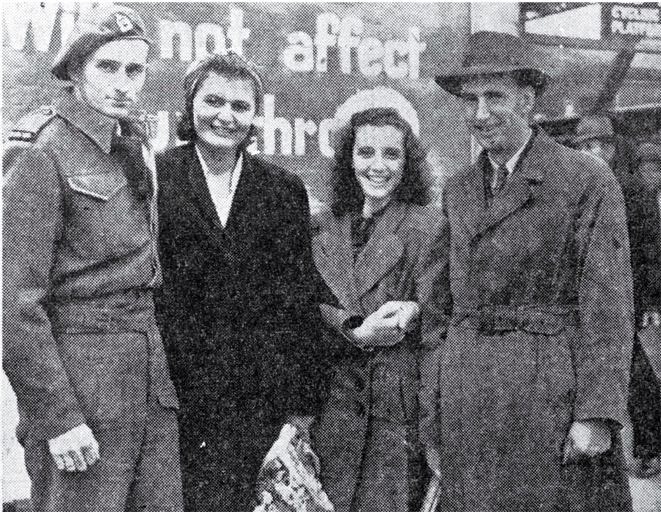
x: 377, y: 180
x: 121, y: 103
x: 223, y: 130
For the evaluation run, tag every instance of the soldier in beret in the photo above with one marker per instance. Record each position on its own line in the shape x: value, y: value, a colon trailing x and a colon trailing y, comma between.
x: 532, y: 381
x: 81, y: 349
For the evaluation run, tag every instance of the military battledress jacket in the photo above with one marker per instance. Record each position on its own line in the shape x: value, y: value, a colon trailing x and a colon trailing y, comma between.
x: 80, y: 343
x: 367, y: 436
x: 540, y: 337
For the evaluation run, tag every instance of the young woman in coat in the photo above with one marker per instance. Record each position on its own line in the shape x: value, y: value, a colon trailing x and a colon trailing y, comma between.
x: 378, y: 251
x: 239, y: 311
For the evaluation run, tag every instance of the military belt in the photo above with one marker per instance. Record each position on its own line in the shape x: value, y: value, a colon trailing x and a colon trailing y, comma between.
x: 534, y: 319
x: 124, y: 312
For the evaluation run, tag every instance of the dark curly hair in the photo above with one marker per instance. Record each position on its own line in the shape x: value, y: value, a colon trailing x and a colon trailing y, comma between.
x: 230, y: 65
x: 415, y: 185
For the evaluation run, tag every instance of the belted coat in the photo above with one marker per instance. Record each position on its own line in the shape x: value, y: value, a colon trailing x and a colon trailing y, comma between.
x: 540, y: 337
x: 367, y: 435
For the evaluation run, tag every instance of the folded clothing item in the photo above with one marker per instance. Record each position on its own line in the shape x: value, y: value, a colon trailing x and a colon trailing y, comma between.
x: 288, y: 480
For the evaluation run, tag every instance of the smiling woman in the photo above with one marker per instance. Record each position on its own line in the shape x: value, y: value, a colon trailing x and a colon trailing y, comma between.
x: 378, y: 250
x: 239, y: 305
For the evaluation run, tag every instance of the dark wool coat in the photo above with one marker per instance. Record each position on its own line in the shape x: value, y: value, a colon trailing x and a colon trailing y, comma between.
x: 367, y: 434
x: 644, y: 233
x: 240, y: 319
x: 540, y: 337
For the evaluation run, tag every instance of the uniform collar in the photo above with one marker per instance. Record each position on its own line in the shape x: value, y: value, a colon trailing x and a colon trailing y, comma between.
x: 92, y: 123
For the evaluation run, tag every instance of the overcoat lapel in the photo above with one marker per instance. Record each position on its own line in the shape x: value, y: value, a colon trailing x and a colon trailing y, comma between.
x: 382, y: 251
x: 249, y: 204
x: 334, y: 256
x: 517, y: 192
x: 201, y: 195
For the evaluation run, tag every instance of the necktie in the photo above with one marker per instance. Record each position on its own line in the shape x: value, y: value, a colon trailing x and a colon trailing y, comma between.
x: 499, y: 179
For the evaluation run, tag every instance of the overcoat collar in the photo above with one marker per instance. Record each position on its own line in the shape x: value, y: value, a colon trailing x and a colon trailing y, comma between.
x: 202, y: 196
x: 92, y: 123
x: 351, y: 280
x: 517, y: 192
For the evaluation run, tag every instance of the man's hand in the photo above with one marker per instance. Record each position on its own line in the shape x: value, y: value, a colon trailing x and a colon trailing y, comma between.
x: 303, y: 425
x: 587, y: 438
x: 74, y: 450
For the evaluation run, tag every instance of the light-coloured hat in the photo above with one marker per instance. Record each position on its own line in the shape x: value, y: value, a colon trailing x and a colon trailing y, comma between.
x: 379, y: 97
x: 97, y: 26
x: 593, y: 127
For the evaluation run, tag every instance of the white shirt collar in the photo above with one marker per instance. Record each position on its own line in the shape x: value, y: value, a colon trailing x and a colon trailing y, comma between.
x: 510, y: 165
x: 236, y: 173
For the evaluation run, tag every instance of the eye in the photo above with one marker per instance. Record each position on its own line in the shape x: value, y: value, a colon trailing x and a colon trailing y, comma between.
x: 365, y: 151
x: 469, y: 98
x: 135, y: 70
x: 494, y: 96
x: 240, y: 106
x: 392, y: 153
x: 108, y: 66
x: 214, y: 101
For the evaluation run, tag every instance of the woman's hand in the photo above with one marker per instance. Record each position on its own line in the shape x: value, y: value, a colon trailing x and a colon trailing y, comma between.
x: 387, y: 325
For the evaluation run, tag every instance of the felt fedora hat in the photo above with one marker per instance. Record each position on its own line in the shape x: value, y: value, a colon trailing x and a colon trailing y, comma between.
x: 94, y: 28
x: 593, y: 127
x: 494, y: 53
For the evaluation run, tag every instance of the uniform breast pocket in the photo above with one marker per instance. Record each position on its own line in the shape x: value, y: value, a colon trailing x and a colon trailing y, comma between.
x: 103, y: 218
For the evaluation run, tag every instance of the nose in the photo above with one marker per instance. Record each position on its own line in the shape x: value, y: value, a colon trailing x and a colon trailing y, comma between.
x: 224, y: 112
x: 482, y: 111
x: 378, y: 162
x: 122, y: 82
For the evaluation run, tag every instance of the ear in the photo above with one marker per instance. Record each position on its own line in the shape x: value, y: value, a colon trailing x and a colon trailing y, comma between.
x: 527, y: 99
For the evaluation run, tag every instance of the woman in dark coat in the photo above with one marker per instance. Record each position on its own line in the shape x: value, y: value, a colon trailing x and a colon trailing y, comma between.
x: 238, y: 310
x: 377, y: 249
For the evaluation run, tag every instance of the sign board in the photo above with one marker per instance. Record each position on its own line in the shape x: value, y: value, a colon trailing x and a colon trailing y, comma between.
x: 578, y: 23
x: 313, y: 56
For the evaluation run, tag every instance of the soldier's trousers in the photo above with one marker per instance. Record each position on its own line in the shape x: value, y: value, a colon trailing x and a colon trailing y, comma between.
x: 138, y: 469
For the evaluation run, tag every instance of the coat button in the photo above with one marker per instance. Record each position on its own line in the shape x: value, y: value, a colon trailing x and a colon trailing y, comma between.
x: 360, y: 410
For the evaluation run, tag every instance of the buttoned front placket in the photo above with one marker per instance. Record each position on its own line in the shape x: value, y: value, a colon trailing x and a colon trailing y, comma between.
x: 150, y: 162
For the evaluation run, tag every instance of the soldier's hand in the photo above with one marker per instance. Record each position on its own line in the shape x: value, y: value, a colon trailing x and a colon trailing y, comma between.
x: 74, y: 450
x: 587, y: 439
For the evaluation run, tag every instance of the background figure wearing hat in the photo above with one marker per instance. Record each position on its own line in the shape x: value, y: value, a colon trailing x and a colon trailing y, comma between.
x: 239, y: 307
x: 81, y: 347
x: 595, y: 135
x: 378, y: 249
x: 533, y: 377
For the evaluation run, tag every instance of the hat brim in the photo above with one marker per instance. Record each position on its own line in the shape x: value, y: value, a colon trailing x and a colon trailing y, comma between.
x: 84, y: 47
x: 453, y: 81
x: 593, y: 136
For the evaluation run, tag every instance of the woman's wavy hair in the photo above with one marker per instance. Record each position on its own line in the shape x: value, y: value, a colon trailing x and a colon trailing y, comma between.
x: 347, y: 195
x: 230, y: 65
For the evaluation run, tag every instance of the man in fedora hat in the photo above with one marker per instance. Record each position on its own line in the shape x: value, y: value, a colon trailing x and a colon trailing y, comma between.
x: 81, y: 348
x: 532, y: 378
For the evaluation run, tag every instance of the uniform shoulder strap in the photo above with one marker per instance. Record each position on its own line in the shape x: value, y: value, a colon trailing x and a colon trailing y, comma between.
x: 29, y: 126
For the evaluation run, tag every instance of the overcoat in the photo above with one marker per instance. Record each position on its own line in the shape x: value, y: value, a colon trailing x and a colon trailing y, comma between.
x: 80, y: 342
x: 240, y: 319
x: 540, y: 337
x: 367, y: 436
